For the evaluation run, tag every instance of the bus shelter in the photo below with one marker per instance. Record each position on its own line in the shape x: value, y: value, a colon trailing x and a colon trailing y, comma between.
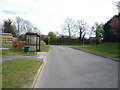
x: 32, y: 42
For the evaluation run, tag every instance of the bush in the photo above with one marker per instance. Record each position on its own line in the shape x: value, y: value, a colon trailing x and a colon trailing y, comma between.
x: 18, y: 44
x: 42, y: 43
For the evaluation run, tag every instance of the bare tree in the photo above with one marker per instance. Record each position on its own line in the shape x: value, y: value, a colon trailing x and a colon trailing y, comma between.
x: 24, y: 26
x: 19, y: 23
x: 118, y: 7
x: 36, y: 30
x: 81, y: 27
x: 0, y: 28
x: 27, y: 26
x: 68, y: 26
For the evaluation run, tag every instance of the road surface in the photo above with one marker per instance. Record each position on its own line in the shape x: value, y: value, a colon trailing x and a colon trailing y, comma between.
x: 70, y: 68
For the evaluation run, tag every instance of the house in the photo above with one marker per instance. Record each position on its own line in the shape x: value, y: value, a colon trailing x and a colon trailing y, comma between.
x: 92, y: 40
x: 112, y: 29
x: 6, y: 37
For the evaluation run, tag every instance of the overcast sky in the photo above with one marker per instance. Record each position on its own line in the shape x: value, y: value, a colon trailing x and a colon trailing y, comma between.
x: 49, y: 15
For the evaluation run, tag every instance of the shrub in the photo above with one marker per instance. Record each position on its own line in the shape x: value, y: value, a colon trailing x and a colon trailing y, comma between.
x: 42, y: 43
x: 18, y: 45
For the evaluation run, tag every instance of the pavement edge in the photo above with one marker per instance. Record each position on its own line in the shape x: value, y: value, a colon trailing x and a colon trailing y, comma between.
x: 114, y: 59
x: 40, y: 69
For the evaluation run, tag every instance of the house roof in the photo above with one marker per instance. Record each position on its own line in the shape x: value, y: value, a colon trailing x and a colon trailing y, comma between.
x: 32, y: 34
x: 5, y: 34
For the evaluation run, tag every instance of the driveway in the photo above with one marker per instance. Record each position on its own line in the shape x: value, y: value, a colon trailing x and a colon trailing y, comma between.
x: 69, y: 68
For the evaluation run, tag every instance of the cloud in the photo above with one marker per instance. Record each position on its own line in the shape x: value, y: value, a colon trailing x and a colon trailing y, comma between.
x: 48, y: 15
x: 9, y: 12
x: 12, y: 12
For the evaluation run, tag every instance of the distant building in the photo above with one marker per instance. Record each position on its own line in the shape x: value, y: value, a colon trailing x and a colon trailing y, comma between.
x: 92, y: 40
x: 6, y: 37
x: 112, y: 29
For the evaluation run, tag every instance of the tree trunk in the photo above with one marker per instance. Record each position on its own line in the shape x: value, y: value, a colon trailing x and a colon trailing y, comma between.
x: 80, y: 37
x: 69, y: 36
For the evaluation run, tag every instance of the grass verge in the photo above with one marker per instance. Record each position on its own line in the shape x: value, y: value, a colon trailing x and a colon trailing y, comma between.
x: 45, y: 48
x: 19, y: 73
x: 105, y: 49
x: 0, y: 76
x: 5, y: 44
x: 20, y: 53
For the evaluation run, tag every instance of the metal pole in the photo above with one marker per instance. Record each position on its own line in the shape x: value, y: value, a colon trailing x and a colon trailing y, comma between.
x: 36, y: 42
x: 48, y: 40
x: 83, y: 41
x: 83, y: 38
x: 39, y: 42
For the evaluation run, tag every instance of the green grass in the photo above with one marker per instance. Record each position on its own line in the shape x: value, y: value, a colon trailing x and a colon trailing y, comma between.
x: 45, y: 48
x: 0, y: 75
x: 19, y: 73
x: 20, y: 53
x: 105, y: 49
x: 5, y: 44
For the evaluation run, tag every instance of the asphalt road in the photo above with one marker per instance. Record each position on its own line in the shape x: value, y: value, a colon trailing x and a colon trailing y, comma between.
x: 69, y: 68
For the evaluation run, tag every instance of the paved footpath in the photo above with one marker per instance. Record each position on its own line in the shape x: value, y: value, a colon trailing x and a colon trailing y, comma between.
x: 39, y: 57
x: 69, y: 68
